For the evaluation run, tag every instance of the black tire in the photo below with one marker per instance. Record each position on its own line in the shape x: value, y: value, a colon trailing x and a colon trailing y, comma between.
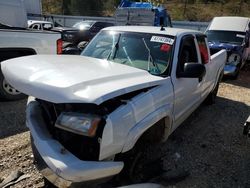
x: 212, y: 96
x: 143, y: 162
x: 7, y: 92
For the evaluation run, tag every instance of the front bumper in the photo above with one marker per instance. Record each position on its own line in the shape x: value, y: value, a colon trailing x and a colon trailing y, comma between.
x: 59, y: 165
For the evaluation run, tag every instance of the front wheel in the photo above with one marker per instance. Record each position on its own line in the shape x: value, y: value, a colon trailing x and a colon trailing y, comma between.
x: 140, y: 165
x: 144, y: 161
x: 7, y: 92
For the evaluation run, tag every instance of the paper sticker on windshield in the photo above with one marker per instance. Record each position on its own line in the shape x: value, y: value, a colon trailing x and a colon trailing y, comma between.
x: 164, y: 40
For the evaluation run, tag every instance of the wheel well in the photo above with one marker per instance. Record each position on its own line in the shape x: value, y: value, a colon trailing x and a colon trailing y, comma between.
x: 8, y: 53
x: 157, y: 133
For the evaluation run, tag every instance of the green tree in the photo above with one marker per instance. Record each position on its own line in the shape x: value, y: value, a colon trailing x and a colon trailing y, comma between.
x: 66, y: 7
x: 86, y: 7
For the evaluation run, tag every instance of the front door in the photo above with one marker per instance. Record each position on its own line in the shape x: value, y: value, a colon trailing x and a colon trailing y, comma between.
x: 187, y: 90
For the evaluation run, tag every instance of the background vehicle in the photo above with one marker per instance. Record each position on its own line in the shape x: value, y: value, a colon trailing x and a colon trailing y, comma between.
x: 229, y: 33
x: 40, y: 25
x: 77, y: 37
x: 17, y: 40
x: 82, y: 31
x: 141, y: 13
x: 131, y: 88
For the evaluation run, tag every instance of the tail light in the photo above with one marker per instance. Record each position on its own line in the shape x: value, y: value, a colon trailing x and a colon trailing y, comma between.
x: 59, y: 43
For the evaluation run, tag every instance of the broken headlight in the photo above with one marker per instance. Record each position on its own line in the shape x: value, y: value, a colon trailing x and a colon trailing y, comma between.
x: 78, y: 123
x: 234, y: 59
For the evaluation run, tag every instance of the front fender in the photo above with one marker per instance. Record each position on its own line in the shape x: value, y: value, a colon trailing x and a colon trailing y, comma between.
x: 149, y: 121
x: 125, y: 125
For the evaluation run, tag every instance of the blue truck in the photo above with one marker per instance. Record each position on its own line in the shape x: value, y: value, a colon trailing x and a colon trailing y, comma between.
x: 142, y: 13
x: 229, y: 33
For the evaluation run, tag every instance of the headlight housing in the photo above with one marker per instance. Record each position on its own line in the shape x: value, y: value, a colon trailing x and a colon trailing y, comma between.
x: 234, y: 59
x: 78, y: 123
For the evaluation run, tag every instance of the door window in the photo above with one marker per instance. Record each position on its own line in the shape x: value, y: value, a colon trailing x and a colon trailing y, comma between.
x: 203, y: 49
x: 188, y: 53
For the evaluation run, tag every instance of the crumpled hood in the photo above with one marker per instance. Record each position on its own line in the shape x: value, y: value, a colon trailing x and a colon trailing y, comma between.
x: 74, y: 79
x: 226, y: 46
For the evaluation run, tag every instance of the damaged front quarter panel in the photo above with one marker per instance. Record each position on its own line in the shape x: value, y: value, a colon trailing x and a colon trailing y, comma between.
x: 129, y: 121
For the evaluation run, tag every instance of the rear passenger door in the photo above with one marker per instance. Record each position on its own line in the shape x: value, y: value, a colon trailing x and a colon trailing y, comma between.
x: 187, y: 90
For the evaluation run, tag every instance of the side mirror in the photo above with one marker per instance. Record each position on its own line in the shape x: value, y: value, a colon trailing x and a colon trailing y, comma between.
x: 192, y: 70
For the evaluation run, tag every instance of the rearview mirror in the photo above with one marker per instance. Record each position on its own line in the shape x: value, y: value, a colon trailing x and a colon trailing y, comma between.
x: 192, y: 70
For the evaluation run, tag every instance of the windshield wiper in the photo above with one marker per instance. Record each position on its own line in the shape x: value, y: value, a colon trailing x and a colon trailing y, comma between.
x: 150, y: 58
x: 114, y: 47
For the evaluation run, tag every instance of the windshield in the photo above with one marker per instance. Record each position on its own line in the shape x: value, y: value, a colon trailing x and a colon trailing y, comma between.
x: 140, y: 50
x: 83, y: 25
x: 226, y: 36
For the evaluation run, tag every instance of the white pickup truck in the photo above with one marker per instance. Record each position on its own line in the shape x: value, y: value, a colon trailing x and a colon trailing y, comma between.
x: 16, y: 42
x: 93, y: 115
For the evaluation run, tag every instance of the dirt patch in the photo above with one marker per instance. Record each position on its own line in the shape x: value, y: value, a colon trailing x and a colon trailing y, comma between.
x: 209, y: 145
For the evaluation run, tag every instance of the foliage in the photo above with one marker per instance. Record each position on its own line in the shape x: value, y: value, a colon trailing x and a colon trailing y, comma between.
x: 195, y: 10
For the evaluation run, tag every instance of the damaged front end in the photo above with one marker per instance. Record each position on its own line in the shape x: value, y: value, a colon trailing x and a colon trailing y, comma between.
x: 66, y: 140
x: 66, y: 156
x: 88, y: 110
x: 234, y: 56
x: 233, y: 64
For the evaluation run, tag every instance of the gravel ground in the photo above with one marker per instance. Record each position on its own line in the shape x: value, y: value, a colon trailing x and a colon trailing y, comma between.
x: 208, y: 150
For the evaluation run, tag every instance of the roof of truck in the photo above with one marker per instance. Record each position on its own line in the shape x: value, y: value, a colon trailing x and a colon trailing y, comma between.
x: 151, y: 29
x: 229, y: 23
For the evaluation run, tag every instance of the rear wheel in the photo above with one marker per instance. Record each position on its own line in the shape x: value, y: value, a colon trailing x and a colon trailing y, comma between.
x: 212, y: 96
x: 7, y: 92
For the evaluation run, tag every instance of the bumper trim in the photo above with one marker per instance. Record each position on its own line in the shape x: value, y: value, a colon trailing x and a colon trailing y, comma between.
x: 54, y: 178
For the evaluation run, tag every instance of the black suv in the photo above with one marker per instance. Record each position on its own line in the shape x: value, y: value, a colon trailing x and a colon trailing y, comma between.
x: 83, y: 31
